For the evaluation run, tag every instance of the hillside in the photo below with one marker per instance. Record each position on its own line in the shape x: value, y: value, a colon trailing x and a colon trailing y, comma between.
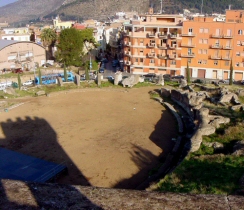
x: 24, y: 10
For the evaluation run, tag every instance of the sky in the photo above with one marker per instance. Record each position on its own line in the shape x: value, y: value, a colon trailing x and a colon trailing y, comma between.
x: 5, y: 2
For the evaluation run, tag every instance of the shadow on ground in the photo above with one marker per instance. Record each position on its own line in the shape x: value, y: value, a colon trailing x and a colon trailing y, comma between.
x: 35, y: 137
x: 148, y: 163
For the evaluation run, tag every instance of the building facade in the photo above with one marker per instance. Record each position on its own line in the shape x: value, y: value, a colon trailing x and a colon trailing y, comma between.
x: 164, y: 44
x: 152, y: 44
x: 209, y: 46
x: 18, y: 34
x: 20, y: 54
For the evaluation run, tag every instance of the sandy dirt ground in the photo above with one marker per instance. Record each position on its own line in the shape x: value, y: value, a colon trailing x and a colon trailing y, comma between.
x: 106, y: 137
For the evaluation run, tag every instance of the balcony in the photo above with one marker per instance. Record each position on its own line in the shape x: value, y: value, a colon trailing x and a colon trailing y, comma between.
x: 127, y: 43
x: 189, y: 55
x: 173, y: 36
x: 127, y: 33
x: 151, y: 35
x: 227, y: 36
x: 151, y: 45
x: 218, y: 36
x: 172, y: 56
x: 151, y: 64
x: 188, y: 35
x: 215, y: 57
x: 227, y: 58
x: 151, y: 55
x: 162, y: 56
x: 128, y: 53
x: 214, y: 46
x: 190, y: 45
x: 227, y: 47
x: 173, y: 46
x: 163, y: 46
x: 162, y: 35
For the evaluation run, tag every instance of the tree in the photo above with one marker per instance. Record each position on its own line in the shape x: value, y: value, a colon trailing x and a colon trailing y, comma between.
x: 40, y: 76
x: 231, y: 73
x: 188, y: 73
x: 19, y: 81
x: 65, y: 74
x: 48, y: 37
x: 71, y: 45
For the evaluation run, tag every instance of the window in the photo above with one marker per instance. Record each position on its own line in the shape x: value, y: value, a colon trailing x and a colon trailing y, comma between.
x: 201, y: 30
x: 240, y: 32
x: 189, y: 60
x: 227, y: 63
x: 199, y: 61
x: 204, y: 51
x: 204, y: 61
x: 205, y: 30
x: 190, y: 30
x: 237, y: 64
x: 173, y: 62
x: 200, y: 41
x: 238, y: 43
x: 238, y: 54
x: 141, y: 60
x: 136, y: 59
x: 152, y: 61
x: 199, y: 51
x: 215, y: 63
x: 141, y: 51
x: 205, y: 41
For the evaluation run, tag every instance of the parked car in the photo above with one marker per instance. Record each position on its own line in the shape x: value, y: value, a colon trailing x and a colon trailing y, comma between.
x: 17, y: 71
x: 242, y: 82
x: 101, y: 70
x: 115, y: 63
x: 46, y: 65
x: 110, y: 78
x: 28, y: 82
x: 150, y: 77
x: 177, y: 78
x: 226, y: 81
x: 167, y: 77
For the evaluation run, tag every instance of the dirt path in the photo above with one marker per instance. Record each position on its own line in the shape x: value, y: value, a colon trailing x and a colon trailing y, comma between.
x: 107, y: 138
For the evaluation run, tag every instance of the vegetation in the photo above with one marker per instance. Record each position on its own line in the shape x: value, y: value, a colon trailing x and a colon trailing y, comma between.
x: 209, y: 170
x: 231, y: 73
x: 48, y: 37
x: 40, y: 76
x: 72, y: 43
x: 188, y: 74
x: 19, y: 81
x: 65, y: 74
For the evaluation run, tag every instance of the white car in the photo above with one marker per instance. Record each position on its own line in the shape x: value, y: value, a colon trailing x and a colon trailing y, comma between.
x: 29, y: 82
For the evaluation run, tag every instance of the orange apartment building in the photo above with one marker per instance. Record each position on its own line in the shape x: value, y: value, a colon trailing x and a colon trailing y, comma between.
x: 209, y: 46
x: 151, y: 44
x: 163, y: 44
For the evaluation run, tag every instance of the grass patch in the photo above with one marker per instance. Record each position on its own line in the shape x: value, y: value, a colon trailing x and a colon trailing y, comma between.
x: 144, y: 84
x: 219, y: 175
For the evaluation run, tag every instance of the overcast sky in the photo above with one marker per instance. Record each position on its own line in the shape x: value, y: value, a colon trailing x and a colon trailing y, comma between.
x: 4, y: 2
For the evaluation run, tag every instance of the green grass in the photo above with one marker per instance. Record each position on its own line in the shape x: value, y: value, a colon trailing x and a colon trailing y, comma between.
x: 219, y: 175
x: 205, y: 171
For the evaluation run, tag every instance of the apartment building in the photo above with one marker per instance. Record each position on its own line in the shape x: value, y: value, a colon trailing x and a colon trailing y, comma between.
x: 209, y: 46
x: 152, y: 44
x: 164, y: 44
x: 18, y: 34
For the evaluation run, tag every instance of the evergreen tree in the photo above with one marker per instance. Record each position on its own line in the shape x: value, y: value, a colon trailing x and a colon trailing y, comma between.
x: 40, y: 76
x: 231, y: 73
x: 19, y: 81
x: 65, y: 74
x: 48, y: 37
x: 188, y: 74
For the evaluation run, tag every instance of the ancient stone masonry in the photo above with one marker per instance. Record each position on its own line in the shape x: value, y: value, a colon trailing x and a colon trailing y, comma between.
x: 192, y: 103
